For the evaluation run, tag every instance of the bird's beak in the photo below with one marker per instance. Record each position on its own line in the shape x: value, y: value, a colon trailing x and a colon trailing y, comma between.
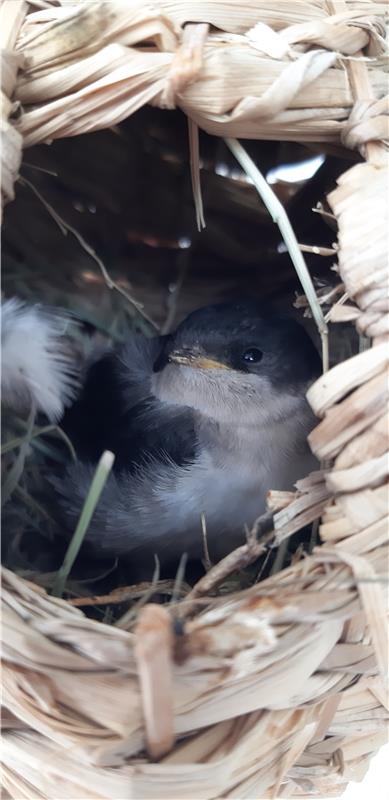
x: 196, y: 360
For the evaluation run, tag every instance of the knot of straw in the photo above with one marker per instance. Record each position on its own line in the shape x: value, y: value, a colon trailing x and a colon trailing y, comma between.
x: 368, y: 121
x: 186, y: 64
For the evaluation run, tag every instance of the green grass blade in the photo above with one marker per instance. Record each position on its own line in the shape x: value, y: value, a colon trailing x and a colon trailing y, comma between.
x: 14, y: 443
x: 53, y: 429
x: 99, y: 480
x: 16, y: 471
x: 62, y: 435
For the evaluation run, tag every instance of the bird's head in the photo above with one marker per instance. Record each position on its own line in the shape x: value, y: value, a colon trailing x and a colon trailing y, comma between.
x: 233, y: 362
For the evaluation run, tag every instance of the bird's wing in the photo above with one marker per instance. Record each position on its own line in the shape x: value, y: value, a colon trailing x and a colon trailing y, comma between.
x: 117, y: 411
x: 153, y: 444
x: 136, y: 517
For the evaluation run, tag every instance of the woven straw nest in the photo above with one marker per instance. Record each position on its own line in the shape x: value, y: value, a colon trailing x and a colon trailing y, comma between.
x: 278, y: 690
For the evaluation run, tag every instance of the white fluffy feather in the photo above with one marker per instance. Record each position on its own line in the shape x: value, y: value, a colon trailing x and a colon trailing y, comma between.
x: 36, y: 366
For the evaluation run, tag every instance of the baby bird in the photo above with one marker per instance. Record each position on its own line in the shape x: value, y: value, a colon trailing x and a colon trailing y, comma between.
x: 202, y: 423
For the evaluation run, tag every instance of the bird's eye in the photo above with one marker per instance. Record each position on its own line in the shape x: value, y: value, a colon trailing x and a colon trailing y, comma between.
x: 252, y: 355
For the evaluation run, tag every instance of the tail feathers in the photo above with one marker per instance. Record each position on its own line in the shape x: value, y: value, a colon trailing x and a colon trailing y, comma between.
x: 38, y: 367
x: 113, y: 530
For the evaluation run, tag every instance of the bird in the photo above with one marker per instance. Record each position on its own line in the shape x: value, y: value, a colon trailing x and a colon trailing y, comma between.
x: 202, y: 422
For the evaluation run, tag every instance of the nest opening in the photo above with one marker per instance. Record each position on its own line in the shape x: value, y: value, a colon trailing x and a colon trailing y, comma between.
x: 125, y: 195
x: 115, y: 688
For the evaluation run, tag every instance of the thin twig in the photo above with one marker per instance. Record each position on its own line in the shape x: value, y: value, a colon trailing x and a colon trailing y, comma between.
x: 46, y: 579
x: 179, y: 577
x: 343, y: 299
x: 57, y: 219
x: 65, y: 227
x: 324, y: 296
x: 206, y: 561
x: 40, y: 169
x: 261, y: 532
x: 123, y: 593
x: 316, y: 250
x: 279, y: 216
x: 280, y: 557
x: 195, y: 172
x: 263, y: 566
x: 320, y: 210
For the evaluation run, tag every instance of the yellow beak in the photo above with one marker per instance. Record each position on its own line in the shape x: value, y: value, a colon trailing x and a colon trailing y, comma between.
x: 193, y: 360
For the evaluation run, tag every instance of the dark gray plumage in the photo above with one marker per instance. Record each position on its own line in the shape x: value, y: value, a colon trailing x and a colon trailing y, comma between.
x: 202, y: 422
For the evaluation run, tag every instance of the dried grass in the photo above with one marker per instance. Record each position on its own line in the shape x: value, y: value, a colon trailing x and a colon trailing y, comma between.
x: 278, y: 689
x: 88, y: 66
